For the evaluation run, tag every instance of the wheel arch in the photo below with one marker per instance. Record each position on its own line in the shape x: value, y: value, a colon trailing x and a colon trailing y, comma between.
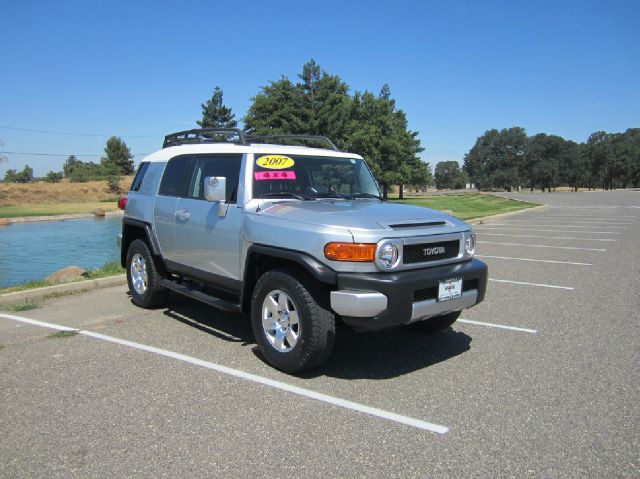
x: 133, y: 230
x: 262, y: 258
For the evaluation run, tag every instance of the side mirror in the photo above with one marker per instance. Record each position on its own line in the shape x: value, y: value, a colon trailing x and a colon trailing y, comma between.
x: 215, y: 188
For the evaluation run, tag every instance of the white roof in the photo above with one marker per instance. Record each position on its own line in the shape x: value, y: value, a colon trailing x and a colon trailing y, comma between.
x: 263, y: 149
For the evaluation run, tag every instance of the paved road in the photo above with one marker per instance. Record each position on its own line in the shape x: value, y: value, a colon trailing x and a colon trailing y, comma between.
x: 556, y: 398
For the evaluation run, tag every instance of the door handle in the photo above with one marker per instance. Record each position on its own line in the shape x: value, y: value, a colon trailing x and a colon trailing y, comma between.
x: 183, y: 215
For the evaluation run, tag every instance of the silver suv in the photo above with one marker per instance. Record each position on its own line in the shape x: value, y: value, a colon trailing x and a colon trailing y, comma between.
x: 297, y: 237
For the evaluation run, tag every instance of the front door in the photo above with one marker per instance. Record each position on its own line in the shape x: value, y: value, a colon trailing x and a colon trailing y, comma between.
x: 206, y: 241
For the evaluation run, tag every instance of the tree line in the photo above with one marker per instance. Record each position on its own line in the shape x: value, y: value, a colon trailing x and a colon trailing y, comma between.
x: 118, y: 161
x: 507, y: 159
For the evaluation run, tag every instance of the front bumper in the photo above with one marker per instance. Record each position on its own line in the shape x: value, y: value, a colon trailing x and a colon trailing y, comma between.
x: 375, y: 301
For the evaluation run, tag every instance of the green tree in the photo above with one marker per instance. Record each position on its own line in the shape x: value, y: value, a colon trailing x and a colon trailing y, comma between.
x: 10, y: 176
x: 498, y: 159
x: 86, y: 171
x: 449, y: 175
x: 53, y: 177
x: 544, y: 159
x: 318, y: 104
x: 573, y: 165
x: 379, y: 132
x: 364, y: 123
x: 420, y: 177
x: 25, y: 176
x: 119, y: 160
x: 632, y: 157
x: 600, y: 153
x: 69, y: 165
x: 215, y: 114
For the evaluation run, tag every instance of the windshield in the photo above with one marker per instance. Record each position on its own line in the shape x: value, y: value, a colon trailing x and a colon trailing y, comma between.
x: 312, y: 177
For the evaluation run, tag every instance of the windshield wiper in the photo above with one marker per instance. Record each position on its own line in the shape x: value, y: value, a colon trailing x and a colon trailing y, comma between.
x: 285, y: 194
x: 364, y: 195
x: 331, y: 194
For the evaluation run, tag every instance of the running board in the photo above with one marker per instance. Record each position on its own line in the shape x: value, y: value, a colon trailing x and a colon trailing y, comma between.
x: 200, y: 296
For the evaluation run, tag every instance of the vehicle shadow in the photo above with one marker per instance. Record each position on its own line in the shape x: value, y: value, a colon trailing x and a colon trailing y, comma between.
x: 380, y: 355
x: 390, y: 353
x: 223, y: 325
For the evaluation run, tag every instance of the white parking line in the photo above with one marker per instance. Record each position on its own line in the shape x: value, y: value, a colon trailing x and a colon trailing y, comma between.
x: 547, y: 237
x: 500, y: 326
x: 533, y: 260
x: 541, y: 285
x: 604, y: 223
x: 557, y: 226
x: 543, y: 246
x: 372, y: 411
x: 489, y: 228
x: 583, y: 217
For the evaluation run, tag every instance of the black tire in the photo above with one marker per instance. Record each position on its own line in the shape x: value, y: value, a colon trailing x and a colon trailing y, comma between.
x: 153, y: 295
x: 315, y: 326
x: 437, y: 323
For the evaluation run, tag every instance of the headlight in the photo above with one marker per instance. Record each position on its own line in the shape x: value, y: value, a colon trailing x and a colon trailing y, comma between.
x: 470, y: 245
x: 387, y: 256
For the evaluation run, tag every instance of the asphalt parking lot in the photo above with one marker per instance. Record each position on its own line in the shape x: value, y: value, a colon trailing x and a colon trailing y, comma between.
x: 540, y: 380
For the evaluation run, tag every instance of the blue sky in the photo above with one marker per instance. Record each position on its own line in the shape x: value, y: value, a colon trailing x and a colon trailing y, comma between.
x: 140, y: 70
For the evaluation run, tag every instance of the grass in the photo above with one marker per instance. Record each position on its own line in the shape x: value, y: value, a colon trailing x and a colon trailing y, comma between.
x: 112, y: 268
x: 17, y: 211
x: 62, y: 334
x: 16, y: 308
x: 469, y: 206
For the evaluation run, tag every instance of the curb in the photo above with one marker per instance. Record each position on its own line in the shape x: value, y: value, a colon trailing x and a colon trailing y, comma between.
x: 71, y: 216
x: 30, y: 295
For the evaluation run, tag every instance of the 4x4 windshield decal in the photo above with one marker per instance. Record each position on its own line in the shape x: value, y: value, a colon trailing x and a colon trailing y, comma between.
x: 275, y: 175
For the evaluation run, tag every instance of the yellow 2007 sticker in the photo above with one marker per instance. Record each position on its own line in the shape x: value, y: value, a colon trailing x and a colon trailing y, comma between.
x: 275, y: 162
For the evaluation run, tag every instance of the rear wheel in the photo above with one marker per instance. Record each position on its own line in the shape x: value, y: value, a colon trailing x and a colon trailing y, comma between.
x: 437, y: 323
x: 292, y: 329
x: 143, y: 277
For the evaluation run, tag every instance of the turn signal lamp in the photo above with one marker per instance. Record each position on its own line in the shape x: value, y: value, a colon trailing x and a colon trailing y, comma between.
x: 122, y: 203
x: 350, y: 251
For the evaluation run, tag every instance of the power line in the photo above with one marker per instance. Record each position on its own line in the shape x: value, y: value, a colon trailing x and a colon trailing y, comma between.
x: 57, y: 154
x: 68, y: 133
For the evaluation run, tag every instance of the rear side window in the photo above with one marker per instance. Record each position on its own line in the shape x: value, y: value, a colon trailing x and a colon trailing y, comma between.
x: 173, y: 178
x: 137, y: 181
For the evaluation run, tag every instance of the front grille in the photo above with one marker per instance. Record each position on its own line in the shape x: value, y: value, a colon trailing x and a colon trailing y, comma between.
x: 431, y: 293
x: 415, y: 253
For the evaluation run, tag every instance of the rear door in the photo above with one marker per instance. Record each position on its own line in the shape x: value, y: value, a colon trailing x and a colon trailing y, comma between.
x: 172, y: 186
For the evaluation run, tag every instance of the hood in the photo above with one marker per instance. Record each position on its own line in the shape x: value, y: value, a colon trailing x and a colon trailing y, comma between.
x: 362, y: 216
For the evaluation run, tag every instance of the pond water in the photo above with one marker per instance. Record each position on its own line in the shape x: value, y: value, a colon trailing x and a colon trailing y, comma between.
x: 31, y: 251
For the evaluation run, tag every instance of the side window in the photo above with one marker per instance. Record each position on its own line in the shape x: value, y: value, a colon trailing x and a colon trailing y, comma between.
x: 215, y: 165
x: 137, y: 181
x: 174, y: 176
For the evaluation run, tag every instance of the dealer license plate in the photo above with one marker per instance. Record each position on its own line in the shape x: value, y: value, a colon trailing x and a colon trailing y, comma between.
x: 450, y: 289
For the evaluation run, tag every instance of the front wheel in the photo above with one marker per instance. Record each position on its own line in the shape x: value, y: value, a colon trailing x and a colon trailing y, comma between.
x: 143, y: 277
x: 292, y: 329
x: 437, y: 323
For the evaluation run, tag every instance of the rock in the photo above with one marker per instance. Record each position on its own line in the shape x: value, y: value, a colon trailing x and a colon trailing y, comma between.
x: 66, y: 275
x: 98, y: 212
x: 5, y: 221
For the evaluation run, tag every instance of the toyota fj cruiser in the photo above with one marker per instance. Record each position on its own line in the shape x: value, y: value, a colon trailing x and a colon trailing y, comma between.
x: 296, y: 236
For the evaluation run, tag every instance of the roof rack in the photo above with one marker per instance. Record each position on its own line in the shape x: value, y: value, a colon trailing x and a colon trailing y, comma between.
x: 233, y: 135
x: 205, y: 135
x: 264, y: 138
